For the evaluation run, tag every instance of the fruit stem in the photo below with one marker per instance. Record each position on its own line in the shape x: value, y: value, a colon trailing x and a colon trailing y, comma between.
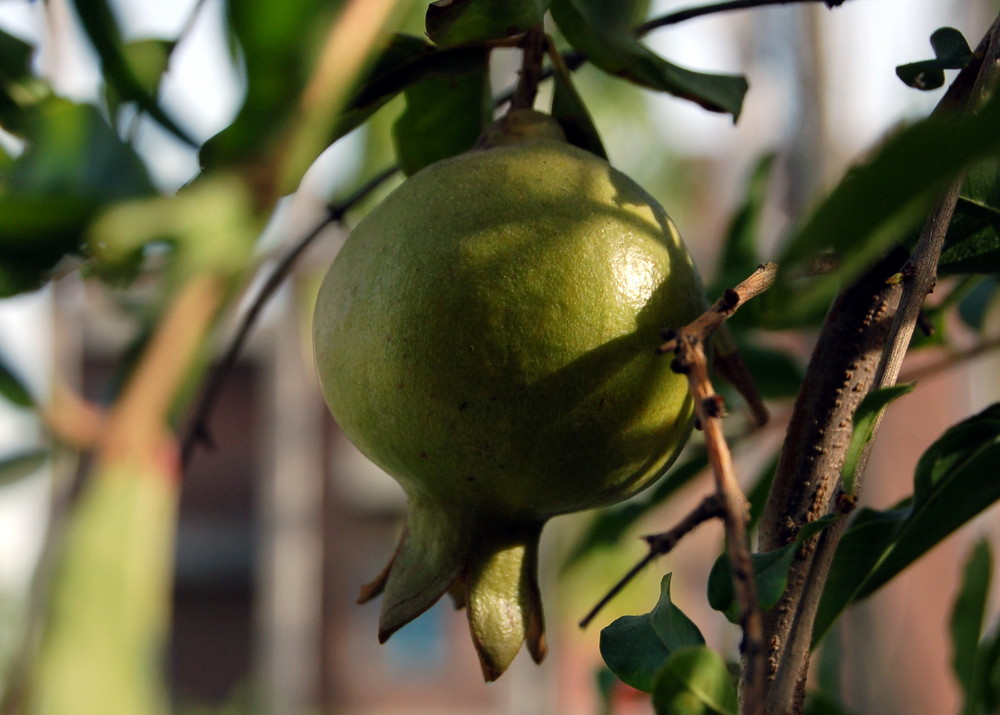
x: 533, y: 46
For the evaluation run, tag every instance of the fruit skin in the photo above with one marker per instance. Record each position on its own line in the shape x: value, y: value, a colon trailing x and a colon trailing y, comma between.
x: 487, y: 336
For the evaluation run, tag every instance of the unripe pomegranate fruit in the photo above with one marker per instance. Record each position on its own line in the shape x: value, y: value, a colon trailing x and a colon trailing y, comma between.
x: 487, y: 336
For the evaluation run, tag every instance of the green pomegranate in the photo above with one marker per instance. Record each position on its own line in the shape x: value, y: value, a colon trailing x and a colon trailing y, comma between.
x: 487, y: 336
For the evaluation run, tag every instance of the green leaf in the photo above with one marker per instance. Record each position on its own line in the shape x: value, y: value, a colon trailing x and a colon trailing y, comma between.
x: 954, y: 481
x: 770, y: 570
x: 453, y: 22
x: 864, y: 421
x: 636, y: 647
x: 15, y: 81
x: 633, y: 651
x: 404, y: 61
x: 975, y: 305
x: 879, y: 202
x: 778, y: 374
x: 608, y: 526
x: 98, y: 21
x: 279, y: 43
x: 694, y: 681
x: 107, y: 611
x: 73, y: 152
x: 12, y: 387
x: 967, y: 617
x: 444, y: 116
x: 602, y: 31
x: 15, y: 467
x: 740, y: 256
x: 570, y: 111
x: 674, y: 629
x: 972, y: 244
x: 147, y: 60
x: 951, y: 51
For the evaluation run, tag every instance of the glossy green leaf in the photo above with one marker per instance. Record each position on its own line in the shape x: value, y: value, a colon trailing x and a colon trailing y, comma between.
x: 633, y: 651
x: 608, y: 526
x: 636, y: 647
x: 770, y: 570
x: 955, y: 480
x: 18, y: 466
x: 13, y: 388
x: 453, y: 22
x: 572, y: 114
x: 671, y: 625
x: 878, y: 203
x: 864, y: 421
x: 98, y: 21
x: 444, y: 115
x: 968, y: 615
x: 695, y: 681
x: 603, y: 32
x: 951, y: 51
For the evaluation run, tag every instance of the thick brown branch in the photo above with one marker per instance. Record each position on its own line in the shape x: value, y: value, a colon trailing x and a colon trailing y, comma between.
x: 808, y: 472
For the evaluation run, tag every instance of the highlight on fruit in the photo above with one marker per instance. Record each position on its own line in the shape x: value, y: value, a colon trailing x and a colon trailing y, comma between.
x: 487, y: 336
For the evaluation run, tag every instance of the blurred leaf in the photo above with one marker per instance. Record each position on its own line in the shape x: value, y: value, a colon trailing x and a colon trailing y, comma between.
x: 107, y: 612
x: 608, y: 526
x: 879, y: 202
x: 777, y: 373
x: 740, y: 255
x: 147, y: 60
x: 636, y: 647
x: 15, y: 467
x: 972, y: 244
x: 73, y: 163
x: 770, y: 570
x: 444, y: 116
x: 98, y: 21
x: 570, y: 111
x: 12, y: 387
x: 820, y: 703
x: 279, y: 42
x: 988, y: 672
x: 761, y: 487
x: 955, y: 480
x: 695, y: 681
x: 603, y: 32
x: 72, y: 152
x: 15, y: 81
x: 967, y: 616
x: 974, y: 307
x: 863, y: 429
x: 951, y: 51
x: 454, y: 22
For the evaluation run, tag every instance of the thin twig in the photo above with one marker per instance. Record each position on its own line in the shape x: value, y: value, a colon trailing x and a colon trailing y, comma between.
x: 950, y: 361
x: 688, y: 346
x: 660, y: 544
x: 533, y: 47
x: 695, y: 12
x: 198, y: 432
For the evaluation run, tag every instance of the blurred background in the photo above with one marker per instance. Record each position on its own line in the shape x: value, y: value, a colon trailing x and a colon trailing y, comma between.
x: 282, y: 520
